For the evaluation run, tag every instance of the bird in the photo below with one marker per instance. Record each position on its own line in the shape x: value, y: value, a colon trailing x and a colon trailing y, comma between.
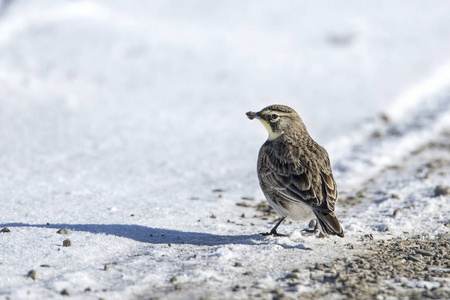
x: 294, y: 171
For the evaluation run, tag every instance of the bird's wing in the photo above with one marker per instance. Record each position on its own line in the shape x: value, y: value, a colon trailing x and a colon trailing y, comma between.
x: 310, y: 184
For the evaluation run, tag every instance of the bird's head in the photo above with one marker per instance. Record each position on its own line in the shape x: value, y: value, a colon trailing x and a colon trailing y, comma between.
x: 277, y: 119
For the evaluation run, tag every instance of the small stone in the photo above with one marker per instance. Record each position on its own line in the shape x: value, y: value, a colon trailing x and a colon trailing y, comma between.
x: 385, y: 118
x: 277, y: 291
x: 213, y: 216
x: 314, y: 276
x: 67, y: 243
x: 424, y: 252
x: 414, y: 258
x: 292, y: 276
x: 33, y: 275
x: 367, y: 237
x: 248, y: 198
x: 318, y: 267
x: 361, y: 194
x: 45, y: 266
x: 88, y: 289
x: 297, y: 270
x: 397, y: 211
x: 243, y: 204
x: 395, y: 196
x: 5, y: 230
x: 441, y: 190
x: 332, y: 272
x: 65, y: 292
x: 379, y: 297
x: 105, y: 268
x: 377, y: 134
x: 63, y: 231
x: 173, y: 279
x: 238, y: 264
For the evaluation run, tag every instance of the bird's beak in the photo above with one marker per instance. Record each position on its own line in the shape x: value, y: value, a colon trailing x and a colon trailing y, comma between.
x: 252, y: 115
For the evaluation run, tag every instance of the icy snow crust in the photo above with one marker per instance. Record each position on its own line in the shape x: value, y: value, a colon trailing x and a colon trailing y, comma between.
x: 124, y: 123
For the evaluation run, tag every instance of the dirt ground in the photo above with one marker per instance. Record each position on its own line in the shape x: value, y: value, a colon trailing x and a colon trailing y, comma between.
x: 405, y: 267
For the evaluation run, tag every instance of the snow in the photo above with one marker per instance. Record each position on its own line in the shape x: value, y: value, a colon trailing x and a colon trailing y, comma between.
x: 119, y: 119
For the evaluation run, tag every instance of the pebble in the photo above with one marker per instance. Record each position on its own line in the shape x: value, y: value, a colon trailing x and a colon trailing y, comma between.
x: 424, y: 252
x: 5, y: 230
x: 315, y: 276
x: 63, y: 231
x: 367, y: 237
x: 33, y: 275
x: 441, y: 190
x: 415, y: 258
x: 385, y: 118
x: 65, y: 292
x: 397, y: 211
x: 361, y: 194
x: 292, y: 276
x: 395, y: 196
x: 67, y: 243
x: 319, y: 267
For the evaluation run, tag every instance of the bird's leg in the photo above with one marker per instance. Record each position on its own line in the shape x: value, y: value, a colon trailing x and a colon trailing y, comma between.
x: 314, y: 230
x: 274, y: 229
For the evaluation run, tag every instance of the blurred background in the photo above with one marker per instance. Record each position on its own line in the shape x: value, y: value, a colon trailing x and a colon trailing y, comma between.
x: 143, y: 95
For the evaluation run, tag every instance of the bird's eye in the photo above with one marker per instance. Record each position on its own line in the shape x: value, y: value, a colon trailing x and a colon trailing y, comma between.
x: 273, y: 116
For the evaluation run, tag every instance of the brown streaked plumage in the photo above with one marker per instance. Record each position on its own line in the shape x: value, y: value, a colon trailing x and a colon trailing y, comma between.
x: 294, y: 171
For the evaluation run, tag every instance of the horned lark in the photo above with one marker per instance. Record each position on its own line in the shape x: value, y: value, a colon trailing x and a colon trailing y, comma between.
x: 294, y: 172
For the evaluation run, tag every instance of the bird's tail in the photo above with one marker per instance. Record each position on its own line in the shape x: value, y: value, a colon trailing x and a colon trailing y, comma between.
x: 329, y: 223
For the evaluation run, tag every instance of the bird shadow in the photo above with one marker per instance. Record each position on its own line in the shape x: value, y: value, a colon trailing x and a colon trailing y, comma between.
x: 160, y: 235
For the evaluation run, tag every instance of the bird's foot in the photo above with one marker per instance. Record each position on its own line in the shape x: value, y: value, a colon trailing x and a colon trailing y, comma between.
x: 313, y: 228
x: 274, y: 229
x: 272, y: 232
x: 309, y: 231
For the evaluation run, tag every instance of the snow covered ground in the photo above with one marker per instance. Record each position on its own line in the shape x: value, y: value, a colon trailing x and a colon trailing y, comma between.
x: 124, y: 122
